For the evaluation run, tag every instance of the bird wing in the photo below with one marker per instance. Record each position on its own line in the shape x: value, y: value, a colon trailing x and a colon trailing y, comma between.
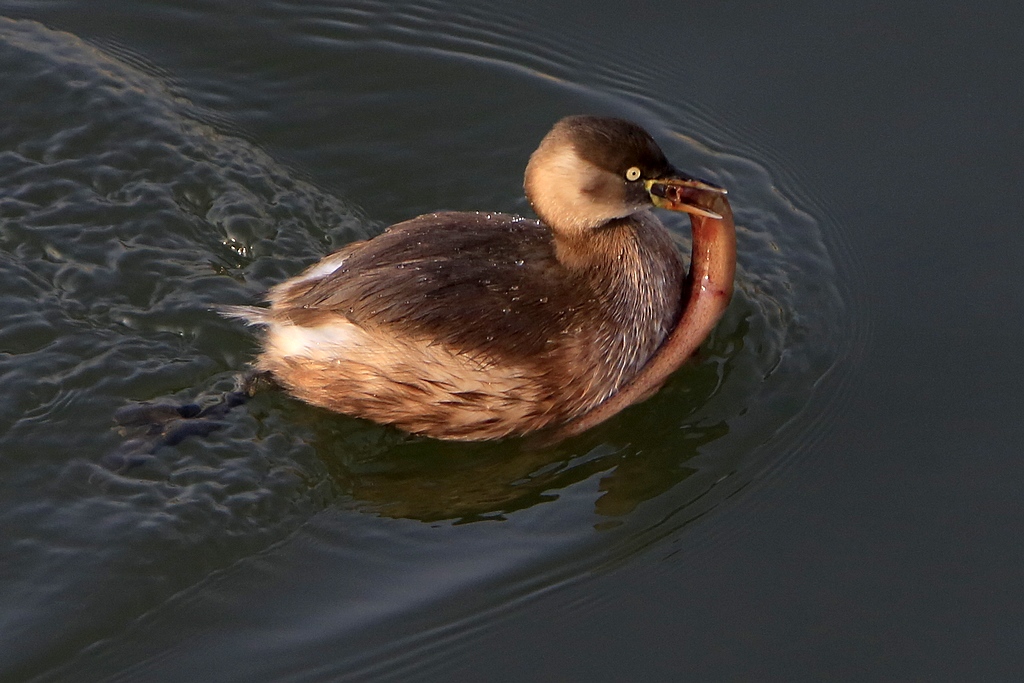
x: 479, y: 283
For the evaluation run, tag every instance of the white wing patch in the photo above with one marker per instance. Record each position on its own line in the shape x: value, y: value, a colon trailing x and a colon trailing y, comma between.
x: 323, y: 343
x: 322, y: 268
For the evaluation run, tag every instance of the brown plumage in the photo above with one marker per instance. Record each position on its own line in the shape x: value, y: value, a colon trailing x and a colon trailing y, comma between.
x: 478, y: 326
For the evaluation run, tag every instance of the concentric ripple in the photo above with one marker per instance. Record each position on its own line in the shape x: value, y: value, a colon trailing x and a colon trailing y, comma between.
x: 129, y: 205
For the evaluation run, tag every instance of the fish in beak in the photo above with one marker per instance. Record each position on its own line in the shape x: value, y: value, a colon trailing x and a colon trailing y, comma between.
x: 678, y: 193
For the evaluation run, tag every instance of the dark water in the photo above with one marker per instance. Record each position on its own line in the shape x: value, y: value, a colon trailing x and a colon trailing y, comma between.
x: 829, y: 490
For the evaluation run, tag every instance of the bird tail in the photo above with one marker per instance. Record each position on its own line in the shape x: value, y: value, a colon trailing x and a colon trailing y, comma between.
x: 250, y: 315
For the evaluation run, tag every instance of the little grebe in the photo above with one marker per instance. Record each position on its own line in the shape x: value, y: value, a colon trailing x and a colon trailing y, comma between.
x: 473, y: 326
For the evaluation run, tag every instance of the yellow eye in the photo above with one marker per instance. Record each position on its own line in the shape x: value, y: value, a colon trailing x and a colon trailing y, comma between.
x: 633, y: 173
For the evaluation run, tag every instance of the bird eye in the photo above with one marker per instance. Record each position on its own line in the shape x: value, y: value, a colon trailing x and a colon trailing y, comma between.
x: 633, y: 173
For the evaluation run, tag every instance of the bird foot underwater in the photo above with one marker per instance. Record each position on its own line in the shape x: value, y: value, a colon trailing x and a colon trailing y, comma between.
x: 472, y: 326
x: 149, y: 426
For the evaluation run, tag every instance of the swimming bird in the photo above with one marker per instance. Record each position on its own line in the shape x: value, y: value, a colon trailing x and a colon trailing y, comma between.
x: 475, y: 326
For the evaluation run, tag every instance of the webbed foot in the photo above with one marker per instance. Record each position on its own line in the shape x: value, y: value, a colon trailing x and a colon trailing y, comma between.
x: 150, y: 426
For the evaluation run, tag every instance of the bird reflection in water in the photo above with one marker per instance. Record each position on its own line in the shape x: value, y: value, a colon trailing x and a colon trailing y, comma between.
x: 470, y: 326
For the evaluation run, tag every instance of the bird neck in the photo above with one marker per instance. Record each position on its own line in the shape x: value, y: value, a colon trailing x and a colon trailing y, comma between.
x: 610, y: 246
x: 712, y: 270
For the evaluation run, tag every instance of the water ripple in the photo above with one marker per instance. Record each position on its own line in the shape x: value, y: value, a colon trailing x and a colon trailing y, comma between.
x: 128, y: 206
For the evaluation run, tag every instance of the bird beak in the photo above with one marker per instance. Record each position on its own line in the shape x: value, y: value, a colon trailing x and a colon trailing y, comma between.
x: 684, y: 194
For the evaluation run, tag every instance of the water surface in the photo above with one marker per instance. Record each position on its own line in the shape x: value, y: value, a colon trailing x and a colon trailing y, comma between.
x: 154, y: 164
